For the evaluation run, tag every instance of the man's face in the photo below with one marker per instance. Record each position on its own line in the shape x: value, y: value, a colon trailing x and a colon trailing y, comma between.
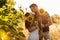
x: 34, y: 9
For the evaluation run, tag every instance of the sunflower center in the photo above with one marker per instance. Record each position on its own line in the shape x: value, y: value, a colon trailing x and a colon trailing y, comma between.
x: 30, y: 18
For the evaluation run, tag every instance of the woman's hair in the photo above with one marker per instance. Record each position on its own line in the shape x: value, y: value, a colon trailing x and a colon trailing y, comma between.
x: 27, y: 24
x: 27, y: 14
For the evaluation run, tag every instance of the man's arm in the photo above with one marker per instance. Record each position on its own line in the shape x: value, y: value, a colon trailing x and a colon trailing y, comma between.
x: 49, y: 21
x: 40, y: 22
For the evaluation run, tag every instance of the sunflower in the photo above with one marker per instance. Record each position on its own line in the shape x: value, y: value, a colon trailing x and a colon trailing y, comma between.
x: 41, y: 10
x: 30, y: 18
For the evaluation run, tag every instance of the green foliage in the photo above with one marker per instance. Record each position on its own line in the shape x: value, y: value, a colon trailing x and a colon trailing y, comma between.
x: 9, y: 19
x: 2, y: 2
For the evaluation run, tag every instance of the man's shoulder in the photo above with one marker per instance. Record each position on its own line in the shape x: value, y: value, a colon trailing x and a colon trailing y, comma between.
x: 47, y: 13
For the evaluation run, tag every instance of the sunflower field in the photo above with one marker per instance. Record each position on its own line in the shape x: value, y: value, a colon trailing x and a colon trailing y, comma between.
x: 11, y: 21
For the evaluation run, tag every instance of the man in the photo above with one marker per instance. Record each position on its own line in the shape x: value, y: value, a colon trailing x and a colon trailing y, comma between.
x: 37, y: 19
x: 44, y: 21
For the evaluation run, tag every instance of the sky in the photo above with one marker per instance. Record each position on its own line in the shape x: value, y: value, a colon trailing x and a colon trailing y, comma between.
x: 51, y: 6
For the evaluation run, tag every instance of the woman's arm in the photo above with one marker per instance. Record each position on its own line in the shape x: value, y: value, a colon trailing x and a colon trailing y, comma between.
x: 31, y: 29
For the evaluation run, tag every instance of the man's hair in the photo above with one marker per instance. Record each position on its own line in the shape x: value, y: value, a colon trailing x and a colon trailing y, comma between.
x: 32, y: 5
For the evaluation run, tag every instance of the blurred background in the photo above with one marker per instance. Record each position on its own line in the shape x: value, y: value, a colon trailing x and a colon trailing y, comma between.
x: 52, y: 6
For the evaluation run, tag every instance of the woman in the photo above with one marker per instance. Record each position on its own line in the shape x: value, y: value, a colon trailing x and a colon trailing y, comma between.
x: 32, y: 28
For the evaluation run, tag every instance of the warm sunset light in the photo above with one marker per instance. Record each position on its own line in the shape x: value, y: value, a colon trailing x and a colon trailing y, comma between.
x: 52, y: 6
x: 29, y: 19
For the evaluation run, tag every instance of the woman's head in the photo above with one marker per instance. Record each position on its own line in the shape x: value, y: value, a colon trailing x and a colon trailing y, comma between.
x: 27, y: 14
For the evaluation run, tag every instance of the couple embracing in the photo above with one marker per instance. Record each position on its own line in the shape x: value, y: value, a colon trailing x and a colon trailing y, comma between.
x: 39, y: 27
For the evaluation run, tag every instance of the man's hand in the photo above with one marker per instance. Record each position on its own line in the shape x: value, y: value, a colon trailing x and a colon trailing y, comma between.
x: 46, y: 25
x: 42, y: 25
